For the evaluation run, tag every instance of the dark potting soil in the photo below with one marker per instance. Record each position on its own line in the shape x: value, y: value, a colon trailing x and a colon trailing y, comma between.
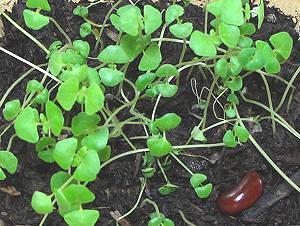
x: 118, y: 186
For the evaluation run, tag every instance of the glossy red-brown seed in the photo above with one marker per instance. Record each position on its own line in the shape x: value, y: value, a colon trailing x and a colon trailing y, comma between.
x: 243, y: 195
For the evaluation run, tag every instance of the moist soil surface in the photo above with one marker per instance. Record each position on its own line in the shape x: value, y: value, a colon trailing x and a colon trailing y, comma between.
x: 118, y: 185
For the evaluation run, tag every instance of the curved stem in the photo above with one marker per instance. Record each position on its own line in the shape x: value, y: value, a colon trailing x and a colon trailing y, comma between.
x: 182, y: 164
x: 61, y: 30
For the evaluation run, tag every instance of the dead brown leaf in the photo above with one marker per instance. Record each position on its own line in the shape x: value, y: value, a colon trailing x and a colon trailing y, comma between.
x: 10, y: 190
x: 116, y: 215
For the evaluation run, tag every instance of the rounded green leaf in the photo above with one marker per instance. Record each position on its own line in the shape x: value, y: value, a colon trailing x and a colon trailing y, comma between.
x: 167, y: 70
x: 111, y: 77
x: 152, y: 19
x: 159, y: 147
x: 133, y: 46
x: 78, y: 71
x: 202, y: 44
x: 26, y: 125
x: 167, y: 189
x: 93, y: 76
x: 34, y: 20
x: 221, y: 68
x: 283, y: 44
x: 198, y: 135
x: 82, y: 47
x: 34, y: 86
x: 97, y: 140
x: 2, y: 175
x: 215, y: 7
x: 204, y: 191
x: 38, y: 4
x: 105, y: 153
x: 64, y: 152
x: 272, y: 64
x: 229, y: 139
x: 85, y: 29
x: 230, y: 113
x: 130, y: 17
x: 56, y: 63
x: 232, y: 98
x: 232, y: 12
x: 11, y: 109
x: 58, y: 180
x: 83, y: 123
x: 8, y: 161
x: 113, y: 54
x: 45, y: 143
x: 94, y: 99
x: 247, y: 29
x: 197, y: 179
x: 81, y: 11
x: 182, y: 30
x: 144, y: 81
x: 234, y: 66
x: 89, y: 167
x: 235, y: 84
x: 168, y: 121
x: 230, y: 34
x: 77, y: 193
x: 151, y: 58
x: 82, y: 217
x: 41, y: 203
x: 166, y: 90
x: 67, y: 93
x: 42, y: 97
x: 245, y: 42
x: 55, y: 118
x: 173, y: 13
x: 242, y: 133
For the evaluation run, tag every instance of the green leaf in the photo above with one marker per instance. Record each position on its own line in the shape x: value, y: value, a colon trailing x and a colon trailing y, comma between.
x: 58, y: 180
x: 55, y: 118
x: 204, y: 191
x: 38, y: 4
x: 46, y: 156
x: 85, y: 30
x: 83, y: 123
x: 230, y: 113
x: 77, y: 193
x: 245, y: 42
x: 89, y: 167
x: 42, y: 97
x: 198, y: 135
x: 94, y: 99
x: 97, y: 140
x: 129, y: 19
x: 167, y: 122
x: 78, y: 71
x: 182, y: 30
x: 167, y: 189
x: 144, y: 81
x: 167, y: 70
x: 242, y: 133
x: 41, y: 203
x: 202, y: 44
x: 215, y: 7
x: 2, y: 175
x: 283, y: 44
x: 26, y: 125
x: 159, y: 147
x: 111, y: 77
x: 56, y: 63
x: 93, y: 76
x: 105, y: 153
x: 197, y: 179
x: 152, y: 19
x: 64, y: 152
x: 8, y: 161
x: 82, y: 217
x: 232, y: 98
x: 246, y: 55
x: 82, y: 47
x: 34, y: 20
x: 151, y: 58
x: 11, y: 109
x: 232, y: 12
x: 261, y: 13
x: 235, y: 67
x: 64, y: 205
x: 113, y: 54
x: 247, y: 11
x: 166, y: 90
x: 173, y: 13
x: 221, y: 68
x: 67, y: 93
x: 229, y: 139
x: 235, y: 84
x: 34, y: 86
x: 272, y: 64
x: 230, y: 34
x: 133, y: 46
x: 247, y: 29
x: 81, y: 11
x: 257, y: 61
